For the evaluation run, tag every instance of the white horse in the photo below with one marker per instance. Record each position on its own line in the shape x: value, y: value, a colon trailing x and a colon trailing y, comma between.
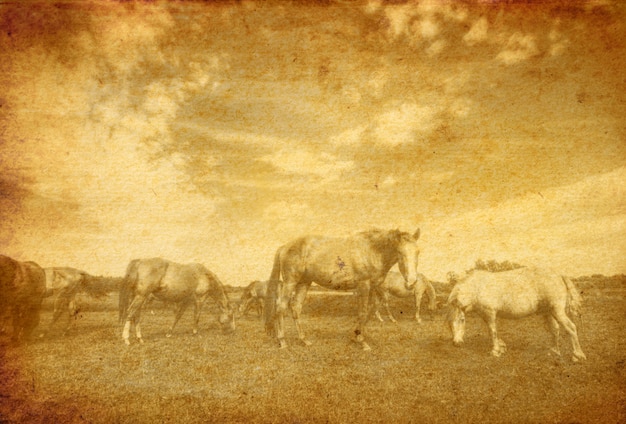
x: 516, y: 294
x: 394, y: 284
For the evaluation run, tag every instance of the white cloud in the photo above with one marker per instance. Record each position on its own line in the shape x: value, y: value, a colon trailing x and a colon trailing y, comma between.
x: 399, y: 18
x: 350, y: 136
x: 518, y: 48
x: 428, y: 28
x: 400, y: 125
x: 477, y: 33
x: 301, y: 162
x: 435, y: 48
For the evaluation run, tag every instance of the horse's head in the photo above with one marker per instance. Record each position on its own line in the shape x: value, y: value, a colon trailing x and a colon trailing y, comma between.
x: 227, y: 317
x: 408, y: 254
x: 249, y: 293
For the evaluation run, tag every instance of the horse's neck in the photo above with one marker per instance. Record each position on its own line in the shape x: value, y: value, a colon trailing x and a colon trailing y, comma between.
x: 219, y: 294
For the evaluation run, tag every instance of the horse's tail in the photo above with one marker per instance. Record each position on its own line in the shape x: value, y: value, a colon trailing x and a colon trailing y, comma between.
x: 271, y: 296
x: 574, y: 300
x: 126, y: 289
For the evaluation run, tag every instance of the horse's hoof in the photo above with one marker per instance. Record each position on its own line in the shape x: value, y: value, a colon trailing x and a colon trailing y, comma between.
x: 496, y: 353
x: 282, y: 344
x: 140, y: 340
x: 457, y: 343
x: 579, y: 357
x: 394, y: 321
x: 418, y: 320
x: 127, y: 342
x: 168, y: 335
x: 306, y: 342
x: 366, y: 347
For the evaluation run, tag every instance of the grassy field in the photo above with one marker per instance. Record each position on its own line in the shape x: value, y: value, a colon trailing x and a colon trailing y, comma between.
x: 412, y: 374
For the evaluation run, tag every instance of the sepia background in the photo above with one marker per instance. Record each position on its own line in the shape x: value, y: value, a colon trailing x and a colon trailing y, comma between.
x: 215, y: 132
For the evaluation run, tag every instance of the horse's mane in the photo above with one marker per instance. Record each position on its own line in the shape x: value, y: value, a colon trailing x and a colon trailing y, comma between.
x: 384, y: 239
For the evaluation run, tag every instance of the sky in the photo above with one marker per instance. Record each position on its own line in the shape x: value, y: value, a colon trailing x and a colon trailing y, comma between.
x: 214, y: 132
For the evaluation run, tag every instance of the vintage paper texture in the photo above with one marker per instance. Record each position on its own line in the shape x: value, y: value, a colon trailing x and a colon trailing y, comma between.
x: 214, y: 132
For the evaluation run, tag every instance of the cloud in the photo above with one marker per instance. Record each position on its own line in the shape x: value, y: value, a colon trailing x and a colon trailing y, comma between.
x: 477, y: 33
x: 401, y: 124
x: 518, y: 48
x: 399, y: 18
x: 351, y: 136
x: 305, y: 163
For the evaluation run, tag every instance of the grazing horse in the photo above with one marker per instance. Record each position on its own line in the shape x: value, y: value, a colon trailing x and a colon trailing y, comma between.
x: 516, y: 294
x: 359, y: 262
x: 253, y: 295
x: 394, y: 285
x: 22, y: 289
x: 65, y: 283
x: 170, y: 281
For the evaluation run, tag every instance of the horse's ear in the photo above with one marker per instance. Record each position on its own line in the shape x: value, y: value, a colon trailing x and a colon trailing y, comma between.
x: 416, y: 236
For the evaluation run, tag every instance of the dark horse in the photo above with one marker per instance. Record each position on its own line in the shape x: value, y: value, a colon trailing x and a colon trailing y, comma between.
x: 359, y: 263
x: 173, y: 282
x: 22, y: 289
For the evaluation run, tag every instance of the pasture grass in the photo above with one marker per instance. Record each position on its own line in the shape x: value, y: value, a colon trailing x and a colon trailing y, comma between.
x: 412, y: 374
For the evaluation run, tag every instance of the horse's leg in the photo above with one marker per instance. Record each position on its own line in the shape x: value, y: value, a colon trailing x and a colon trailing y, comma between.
x: 553, y: 326
x: 385, y: 299
x: 570, y: 327
x: 72, y: 310
x: 419, y: 292
x: 364, y: 305
x: 182, y: 306
x: 59, y: 306
x: 498, y: 345
x: 282, y: 303
x: 296, y: 310
x: 260, y: 306
x: 133, y: 311
x: 199, y: 301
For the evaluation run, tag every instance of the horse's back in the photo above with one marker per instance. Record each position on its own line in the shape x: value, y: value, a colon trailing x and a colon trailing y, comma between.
x: 514, y: 293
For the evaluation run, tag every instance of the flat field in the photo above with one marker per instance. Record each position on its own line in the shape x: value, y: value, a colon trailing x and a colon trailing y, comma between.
x: 412, y: 374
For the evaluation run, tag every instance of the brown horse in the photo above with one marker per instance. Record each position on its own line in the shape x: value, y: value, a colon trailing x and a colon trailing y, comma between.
x: 65, y: 283
x: 359, y: 263
x: 253, y: 295
x: 173, y: 282
x: 394, y: 285
x: 22, y: 289
x: 516, y: 294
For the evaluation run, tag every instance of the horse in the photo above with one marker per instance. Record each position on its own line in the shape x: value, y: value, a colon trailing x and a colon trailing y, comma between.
x: 22, y: 288
x: 253, y: 295
x: 516, y: 294
x: 174, y: 282
x: 358, y: 262
x: 394, y: 285
x: 65, y: 283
